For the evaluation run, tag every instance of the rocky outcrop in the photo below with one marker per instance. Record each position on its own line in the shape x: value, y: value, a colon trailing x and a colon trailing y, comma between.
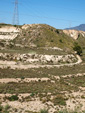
x: 74, y: 33
x: 9, y: 32
x: 38, y: 59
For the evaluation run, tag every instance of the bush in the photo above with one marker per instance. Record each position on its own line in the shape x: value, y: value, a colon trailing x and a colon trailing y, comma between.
x: 1, y: 108
x: 51, y: 40
x: 15, y: 25
x: 43, y: 111
x: 77, y: 48
x: 13, y: 98
x: 22, y: 78
x: 61, y: 40
x: 59, y: 100
x: 32, y: 94
x: 57, y: 31
x: 7, y: 107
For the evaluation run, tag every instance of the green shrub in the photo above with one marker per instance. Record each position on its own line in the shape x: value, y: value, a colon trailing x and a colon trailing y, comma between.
x: 51, y: 40
x: 32, y: 94
x: 15, y: 25
x: 57, y: 31
x: 7, y: 107
x: 61, y: 40
x: 77, y: 48
x: 59, y: 100
x: 1, y: 108
x: 43, y: 111
x: 51, y: 29
x: 13, y: 98
x: 22, y: 78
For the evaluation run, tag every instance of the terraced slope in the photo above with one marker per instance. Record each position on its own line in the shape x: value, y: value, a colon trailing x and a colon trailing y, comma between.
x: 54, y: 89
x: 38, y: 75
x: 28, y: 90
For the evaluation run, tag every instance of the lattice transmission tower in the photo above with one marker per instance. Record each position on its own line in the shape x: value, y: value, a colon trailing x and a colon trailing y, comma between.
x: 16, y: 14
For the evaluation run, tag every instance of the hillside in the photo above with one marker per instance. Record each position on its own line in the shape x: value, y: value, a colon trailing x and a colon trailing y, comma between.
x: 40, y: 35
x: 79, y: 28
x: 39, y: 71
x: 36, y: 35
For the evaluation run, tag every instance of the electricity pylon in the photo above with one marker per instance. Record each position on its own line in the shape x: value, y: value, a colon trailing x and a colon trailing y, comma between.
x: 16, y: 14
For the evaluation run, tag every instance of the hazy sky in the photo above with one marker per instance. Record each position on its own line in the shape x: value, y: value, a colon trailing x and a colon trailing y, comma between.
x: 58, y: 13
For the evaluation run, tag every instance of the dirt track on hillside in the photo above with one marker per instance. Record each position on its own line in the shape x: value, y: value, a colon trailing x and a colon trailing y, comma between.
x: 13, y: 65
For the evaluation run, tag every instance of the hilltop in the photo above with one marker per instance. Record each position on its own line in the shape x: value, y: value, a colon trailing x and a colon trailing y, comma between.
x: 36, y: 35
x: 39, y: 35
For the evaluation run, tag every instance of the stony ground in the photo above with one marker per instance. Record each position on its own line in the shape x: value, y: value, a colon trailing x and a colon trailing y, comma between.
x: 28, y: 88
x: 36, y: 75
x: 53, y: 92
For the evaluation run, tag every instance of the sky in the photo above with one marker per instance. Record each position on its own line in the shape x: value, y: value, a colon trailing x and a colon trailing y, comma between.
x: 57, y: 13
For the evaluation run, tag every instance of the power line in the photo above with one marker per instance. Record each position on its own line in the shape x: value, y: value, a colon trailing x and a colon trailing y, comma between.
x: 16, y: 14
x: 47, y: 17
x: 53, y: 18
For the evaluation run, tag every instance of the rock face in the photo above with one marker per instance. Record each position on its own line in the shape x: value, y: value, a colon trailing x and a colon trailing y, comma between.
x: 74, y: 33
x: 27, y: 26
x: 8, y: 32
x: 38, y: 58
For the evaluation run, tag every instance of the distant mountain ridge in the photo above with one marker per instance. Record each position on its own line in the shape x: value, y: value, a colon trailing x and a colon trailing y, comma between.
x: 80, y: 27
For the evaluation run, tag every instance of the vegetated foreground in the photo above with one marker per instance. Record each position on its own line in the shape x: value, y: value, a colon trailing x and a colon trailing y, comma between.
x: 40, y: 75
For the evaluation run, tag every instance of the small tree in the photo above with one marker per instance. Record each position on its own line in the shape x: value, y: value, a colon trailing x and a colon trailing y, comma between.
x: 77, y: 48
